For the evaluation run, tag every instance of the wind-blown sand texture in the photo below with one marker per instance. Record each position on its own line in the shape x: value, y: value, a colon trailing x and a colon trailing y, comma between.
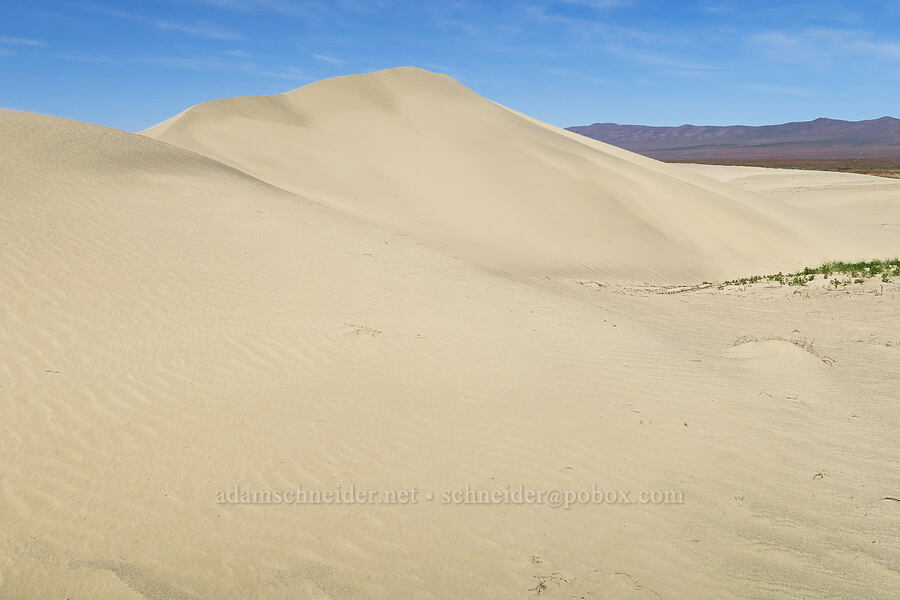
x: 389, y: 282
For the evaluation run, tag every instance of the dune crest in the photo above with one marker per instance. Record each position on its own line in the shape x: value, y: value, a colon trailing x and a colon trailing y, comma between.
x: 420, y: 154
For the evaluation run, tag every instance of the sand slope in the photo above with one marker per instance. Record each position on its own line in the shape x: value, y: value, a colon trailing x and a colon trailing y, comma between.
x: 845, y: 197
x: 418, y: 153
x: 172, y: 327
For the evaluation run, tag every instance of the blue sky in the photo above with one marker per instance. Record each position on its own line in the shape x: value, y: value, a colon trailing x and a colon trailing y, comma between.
x: 569, y: 62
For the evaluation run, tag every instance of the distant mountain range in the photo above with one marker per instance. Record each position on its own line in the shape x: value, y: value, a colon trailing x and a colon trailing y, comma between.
x: 808, y: 140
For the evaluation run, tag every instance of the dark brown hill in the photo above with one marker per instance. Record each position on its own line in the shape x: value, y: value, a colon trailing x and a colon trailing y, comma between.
x: 810, y: 140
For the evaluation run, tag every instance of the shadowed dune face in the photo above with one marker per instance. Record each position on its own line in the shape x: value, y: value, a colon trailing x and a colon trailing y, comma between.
x: 420, y: 154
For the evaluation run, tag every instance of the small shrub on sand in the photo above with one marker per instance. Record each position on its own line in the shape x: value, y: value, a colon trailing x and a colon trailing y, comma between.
x: 856, y: 272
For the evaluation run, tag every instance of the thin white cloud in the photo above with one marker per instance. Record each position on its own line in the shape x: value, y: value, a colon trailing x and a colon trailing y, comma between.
x: 187, y: 62
x: 688, y: 73
x: 778, y: 90
x: 17, y: 41
x: 659, y: 59
x: 86, y: 59
x: 219, y: 64
x: 588, y: 28
x: 291, y: 73
x: 718, y: 8
x: 573, y: 74
x: 201, y: 29
x: 886, y: 50
x: 282, y: 6
x: 298, y: 7
x: 327, y: 59
x: 821, y: 45
x: 599, y: 3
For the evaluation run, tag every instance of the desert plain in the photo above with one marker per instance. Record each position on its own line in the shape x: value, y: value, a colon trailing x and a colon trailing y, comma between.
x: 388, y: 282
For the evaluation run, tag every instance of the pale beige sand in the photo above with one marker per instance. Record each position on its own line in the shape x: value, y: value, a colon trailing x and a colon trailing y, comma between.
x: 419, y: 154
x: 847, y: 197
x: 172, y: 327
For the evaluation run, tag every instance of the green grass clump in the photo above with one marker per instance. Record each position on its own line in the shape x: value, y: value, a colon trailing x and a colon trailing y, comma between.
x: 857, y: 272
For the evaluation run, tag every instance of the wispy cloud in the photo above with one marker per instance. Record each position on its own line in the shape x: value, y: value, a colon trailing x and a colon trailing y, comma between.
x: 327, y: 59
x: 7, y: 52
x: 886, y: 50
x: 821, y: 45
x: 222, y: 64
x: 201, y: 29
x: 304, y: 8
x: 778, y: 90
x: 590, y: 28
x: 291, y: 73
x: 720, y: 7
x: 17, y: 41
x: 86, y: 59
x: 688, y: 73
x: 573, y: 74
x: 599, y: 3
x: 189, y: 63
x: 655, y: 58
x: 280, y: 6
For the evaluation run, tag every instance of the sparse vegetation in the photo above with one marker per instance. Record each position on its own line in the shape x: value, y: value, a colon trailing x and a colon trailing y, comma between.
x: 855, y: 272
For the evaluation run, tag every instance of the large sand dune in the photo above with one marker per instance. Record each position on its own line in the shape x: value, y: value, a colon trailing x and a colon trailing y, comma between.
x: 176, y: 323
x: 420, y: 154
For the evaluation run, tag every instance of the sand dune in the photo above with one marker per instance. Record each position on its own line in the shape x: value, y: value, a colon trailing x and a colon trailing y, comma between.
x: 420, y: 154
x: 176, y: 323
x: 844, y: 197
